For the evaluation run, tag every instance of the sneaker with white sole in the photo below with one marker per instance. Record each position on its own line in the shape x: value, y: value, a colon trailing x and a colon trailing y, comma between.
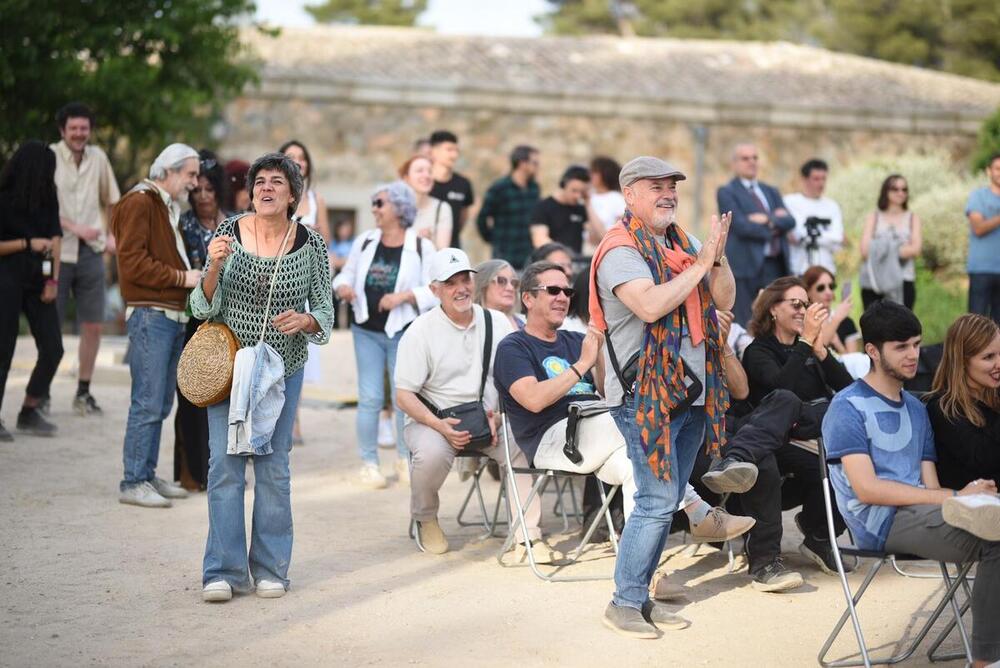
x: 386, y: 434
x: 219, y: 591
x: 979, y: 514
x: 774, y: 577
x: 402, y: 470
x: 370, y: 476
x: 719, y: 526
x: 270, y: 589
x: 169, y: 490
x: 143, y: 494
x: 432, y: 537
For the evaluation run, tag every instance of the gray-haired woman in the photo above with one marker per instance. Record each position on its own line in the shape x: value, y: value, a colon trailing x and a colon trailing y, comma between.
x: 495, y: 286
x: 247, y: 251
x: 386, y: 281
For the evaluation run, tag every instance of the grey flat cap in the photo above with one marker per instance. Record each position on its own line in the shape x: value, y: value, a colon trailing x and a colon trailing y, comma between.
x: 647, y: 167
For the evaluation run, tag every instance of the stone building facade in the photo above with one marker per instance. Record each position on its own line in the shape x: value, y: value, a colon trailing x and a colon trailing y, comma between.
x: 359, y: 97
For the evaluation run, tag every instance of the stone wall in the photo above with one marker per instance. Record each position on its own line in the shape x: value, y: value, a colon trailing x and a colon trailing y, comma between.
x: 357, y: 145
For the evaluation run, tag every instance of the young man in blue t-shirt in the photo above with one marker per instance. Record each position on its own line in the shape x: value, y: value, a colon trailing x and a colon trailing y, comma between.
x: 880, y: 448
x: 983, y: 212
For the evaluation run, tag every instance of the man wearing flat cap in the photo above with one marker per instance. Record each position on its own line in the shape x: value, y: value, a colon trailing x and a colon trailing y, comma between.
x: 155, y: 278
x: 654, y: 290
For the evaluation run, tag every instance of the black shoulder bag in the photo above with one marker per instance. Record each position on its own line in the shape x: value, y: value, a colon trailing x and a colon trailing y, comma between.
x: 471, y: 415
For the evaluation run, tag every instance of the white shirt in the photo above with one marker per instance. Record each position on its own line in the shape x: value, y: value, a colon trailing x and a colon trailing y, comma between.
x: 831, y: 236
x: 609, y: 206
x: 443, y: 361
x: 84, y: 193
x: 414, y: 274
x: 436, y: 217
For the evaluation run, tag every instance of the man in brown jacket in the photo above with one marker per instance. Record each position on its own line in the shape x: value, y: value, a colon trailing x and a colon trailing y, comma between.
x: 155, y: 279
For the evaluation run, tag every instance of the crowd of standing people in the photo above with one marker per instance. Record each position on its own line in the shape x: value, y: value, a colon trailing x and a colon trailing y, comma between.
x: 719, y: 360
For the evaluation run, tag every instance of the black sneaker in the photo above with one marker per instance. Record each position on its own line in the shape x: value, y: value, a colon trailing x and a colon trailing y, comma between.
x: 730, y: 475
x: 774, y: 577
x: 45, y: 406
x: 819, y: 550
x: 84, y: 404
x: 5, y: 436
x: 30, y: 421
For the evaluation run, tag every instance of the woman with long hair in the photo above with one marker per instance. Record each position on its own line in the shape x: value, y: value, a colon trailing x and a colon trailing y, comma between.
x: 495, y: 286
x: 30, y: 237
x: 839, y: 331
x: 964, y: 404
x: 311, y: 211
x: 197, y: 227
x: 433, y: 216
x: 890, y: 243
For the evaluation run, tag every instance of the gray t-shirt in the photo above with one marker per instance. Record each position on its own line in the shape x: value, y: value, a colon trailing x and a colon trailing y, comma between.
x: 621, y: 265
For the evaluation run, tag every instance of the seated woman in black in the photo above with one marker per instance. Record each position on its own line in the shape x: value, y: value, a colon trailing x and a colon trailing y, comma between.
x: 964, y: 404
x: 787, y: 357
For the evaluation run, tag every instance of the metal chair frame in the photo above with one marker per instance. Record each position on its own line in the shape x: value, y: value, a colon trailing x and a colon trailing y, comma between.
x: 852, y: 599
x: 488, y: 521
x: 542, y: 479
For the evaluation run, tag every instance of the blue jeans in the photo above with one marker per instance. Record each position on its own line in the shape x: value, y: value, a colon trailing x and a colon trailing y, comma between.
x: 271, y: 533
x: 375, y: 353
x: 155, y: 344
x: 656, y: 500
x: 984, y: 295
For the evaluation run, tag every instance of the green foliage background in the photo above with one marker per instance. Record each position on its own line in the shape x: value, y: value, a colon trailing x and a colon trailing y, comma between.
x: 155, y: 71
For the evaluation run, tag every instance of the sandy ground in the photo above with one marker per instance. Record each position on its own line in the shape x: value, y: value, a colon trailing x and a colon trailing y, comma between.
x: 91, y: 582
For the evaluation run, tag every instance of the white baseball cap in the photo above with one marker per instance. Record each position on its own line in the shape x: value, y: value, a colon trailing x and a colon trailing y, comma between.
x: 447, y: 262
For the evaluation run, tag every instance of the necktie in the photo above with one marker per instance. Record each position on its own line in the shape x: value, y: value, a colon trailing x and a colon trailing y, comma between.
x: 774, y: 245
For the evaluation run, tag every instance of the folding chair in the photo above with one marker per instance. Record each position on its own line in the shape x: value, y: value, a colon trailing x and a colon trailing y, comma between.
x: 488, y: 521
x: 878, y: 560
x: 542, y: 479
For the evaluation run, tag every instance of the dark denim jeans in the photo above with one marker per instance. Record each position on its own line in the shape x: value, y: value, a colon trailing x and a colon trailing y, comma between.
x: 648, y: 525
x: 155, y: 342
x: 984, y: 295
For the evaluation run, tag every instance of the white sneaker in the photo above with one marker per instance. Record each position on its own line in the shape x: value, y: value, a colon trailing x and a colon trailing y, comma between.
x: 217, y: 592
x: 370, y: 476
x: 270, y: 589
x: 979, y: 514
x: 170, y: 490
x: 386, y: 434
x: 403, y: 470
x: 145, y: 495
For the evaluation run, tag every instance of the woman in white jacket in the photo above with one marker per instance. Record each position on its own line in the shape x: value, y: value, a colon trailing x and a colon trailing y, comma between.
x: 386, y: 282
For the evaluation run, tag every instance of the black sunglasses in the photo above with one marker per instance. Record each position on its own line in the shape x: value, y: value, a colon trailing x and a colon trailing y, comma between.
x: 823, y: 287
x: 378, y: 202
x: 555, y: 290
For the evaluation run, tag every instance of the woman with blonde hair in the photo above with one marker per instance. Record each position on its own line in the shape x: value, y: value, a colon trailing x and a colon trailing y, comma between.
x: 964, y: 404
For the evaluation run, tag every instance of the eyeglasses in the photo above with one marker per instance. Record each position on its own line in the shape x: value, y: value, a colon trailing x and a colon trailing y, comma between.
x: 503, y: 281
x: 899, y: 189
x: 823, y: 287
x: 797, y: 304
x: 555, y: 290
x: 378, y: 202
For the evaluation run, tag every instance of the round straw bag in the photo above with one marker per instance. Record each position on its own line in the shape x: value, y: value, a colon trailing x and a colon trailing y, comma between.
x: 205, y: 369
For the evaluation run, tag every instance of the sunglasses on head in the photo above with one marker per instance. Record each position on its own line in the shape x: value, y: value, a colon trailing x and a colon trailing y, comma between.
x: 378, y: 202
x: 797, y: 304
x: 208, y: 164
x: 555, y: 290
x: 503, y: 281
x: 823, y: 287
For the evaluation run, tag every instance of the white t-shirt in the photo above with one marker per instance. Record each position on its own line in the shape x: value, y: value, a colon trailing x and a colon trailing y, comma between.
x: 436, y: 217
x: 443, y: 362
x: 609, y: 206
x: 831, y: 236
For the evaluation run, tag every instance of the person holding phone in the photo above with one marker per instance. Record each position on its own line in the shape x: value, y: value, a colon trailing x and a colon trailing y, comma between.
x: 567, y: 215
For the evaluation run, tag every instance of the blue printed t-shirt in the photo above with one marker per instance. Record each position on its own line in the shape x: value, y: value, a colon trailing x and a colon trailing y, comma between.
x: 897, y: 435
x: 520, y: 355
x: 984, y: 250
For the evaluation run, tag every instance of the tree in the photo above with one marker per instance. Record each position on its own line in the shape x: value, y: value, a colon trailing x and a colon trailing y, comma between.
x: 369, y: 12
x: 956, y: 36
x: 989, y: 142
x: 154, y: 71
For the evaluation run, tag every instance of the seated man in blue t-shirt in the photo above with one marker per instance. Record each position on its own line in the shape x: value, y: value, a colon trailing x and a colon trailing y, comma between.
x: 880, y: 448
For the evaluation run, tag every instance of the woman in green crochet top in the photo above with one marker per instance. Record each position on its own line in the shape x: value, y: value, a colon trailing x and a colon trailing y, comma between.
x: 234, y: 290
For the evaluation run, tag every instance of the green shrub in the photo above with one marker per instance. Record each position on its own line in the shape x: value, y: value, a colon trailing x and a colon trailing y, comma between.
x: 989, y: 141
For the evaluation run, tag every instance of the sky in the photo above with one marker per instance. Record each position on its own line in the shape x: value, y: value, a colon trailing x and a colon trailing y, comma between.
x: 463, y: 17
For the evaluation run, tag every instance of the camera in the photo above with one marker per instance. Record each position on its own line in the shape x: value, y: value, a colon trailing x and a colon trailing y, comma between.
x: 813, y: 231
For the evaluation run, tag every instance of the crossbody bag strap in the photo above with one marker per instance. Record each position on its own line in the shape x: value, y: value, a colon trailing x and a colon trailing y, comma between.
x: 274, y: 276
x: 487, y: 350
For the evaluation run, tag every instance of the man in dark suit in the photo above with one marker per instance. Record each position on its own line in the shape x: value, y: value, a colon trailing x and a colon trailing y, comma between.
x: 757, y: 248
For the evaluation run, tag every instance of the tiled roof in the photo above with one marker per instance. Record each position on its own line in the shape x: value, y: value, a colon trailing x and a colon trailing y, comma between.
x: 773, y: 75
